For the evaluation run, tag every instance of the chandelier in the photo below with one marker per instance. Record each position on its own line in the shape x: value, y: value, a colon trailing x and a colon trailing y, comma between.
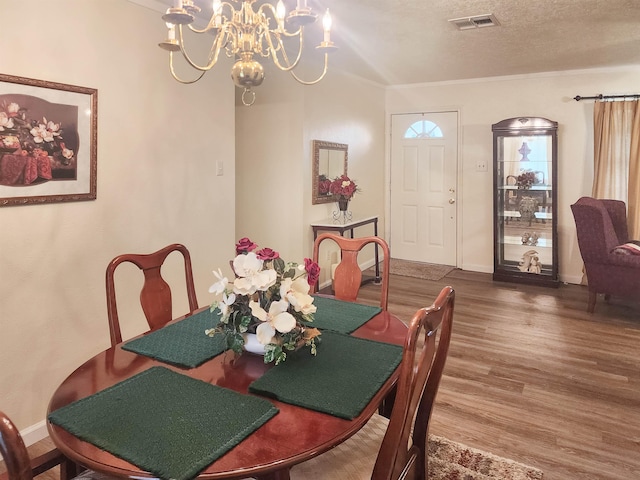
x: 246, y: 34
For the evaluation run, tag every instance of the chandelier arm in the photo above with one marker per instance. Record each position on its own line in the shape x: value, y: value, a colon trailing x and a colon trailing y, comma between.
x: 313, y: 82
x: 274, y: 54
x: 283, y: 30
x: 212, y: 21
x: 210, y: 26
x: 175, y: 75
x: 286, y: 33
x: 213, y: 55
x: 272, y: 11
x: 231, y: 47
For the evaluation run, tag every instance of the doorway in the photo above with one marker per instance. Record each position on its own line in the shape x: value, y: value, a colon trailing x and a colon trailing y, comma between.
x: 424, y: 166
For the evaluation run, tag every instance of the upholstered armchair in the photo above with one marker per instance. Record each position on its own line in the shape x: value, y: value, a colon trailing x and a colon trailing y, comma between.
x: 602, y: 231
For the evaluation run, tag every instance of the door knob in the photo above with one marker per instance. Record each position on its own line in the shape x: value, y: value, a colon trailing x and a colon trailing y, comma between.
x: 452, y: 201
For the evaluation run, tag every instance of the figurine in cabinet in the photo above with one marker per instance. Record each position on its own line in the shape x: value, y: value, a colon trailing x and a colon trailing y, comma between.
x: 530, y: 262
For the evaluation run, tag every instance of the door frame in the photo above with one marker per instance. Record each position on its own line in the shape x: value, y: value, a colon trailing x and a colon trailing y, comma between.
x: 387, y: 172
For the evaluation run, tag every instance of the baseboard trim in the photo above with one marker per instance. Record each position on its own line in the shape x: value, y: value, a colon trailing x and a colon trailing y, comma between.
x: 477, y: 268
x: 35, y: 433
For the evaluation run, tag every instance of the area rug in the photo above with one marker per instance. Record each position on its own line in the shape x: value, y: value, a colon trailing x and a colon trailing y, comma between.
x: 450, y: 460
x: 426, y: 271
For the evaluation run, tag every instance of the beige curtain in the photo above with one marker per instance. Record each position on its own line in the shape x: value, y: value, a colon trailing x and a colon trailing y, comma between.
x: 617, y: 156
x: 633, y: 205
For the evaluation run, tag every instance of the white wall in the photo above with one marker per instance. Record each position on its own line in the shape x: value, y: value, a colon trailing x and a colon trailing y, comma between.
x: 487, y: 101
x: 269, y: 156
x: 274, y: 154
x: 158, y: 142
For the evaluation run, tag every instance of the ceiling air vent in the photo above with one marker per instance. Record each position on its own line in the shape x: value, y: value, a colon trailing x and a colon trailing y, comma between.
x: 477, y: 21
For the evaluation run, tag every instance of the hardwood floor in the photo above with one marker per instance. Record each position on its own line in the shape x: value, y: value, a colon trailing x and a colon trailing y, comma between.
x: 532, y: 376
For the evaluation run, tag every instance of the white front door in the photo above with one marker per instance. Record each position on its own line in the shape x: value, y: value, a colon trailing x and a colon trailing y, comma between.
x: 424, y: 160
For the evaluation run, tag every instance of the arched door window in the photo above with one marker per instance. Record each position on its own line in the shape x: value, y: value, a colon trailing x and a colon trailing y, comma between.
x: 423, y: 129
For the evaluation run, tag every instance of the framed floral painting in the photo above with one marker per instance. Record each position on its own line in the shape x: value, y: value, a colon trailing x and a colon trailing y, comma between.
x: 48, y: 141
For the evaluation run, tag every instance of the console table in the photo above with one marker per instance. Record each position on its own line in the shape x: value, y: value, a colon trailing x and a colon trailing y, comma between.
x: 341, y: 225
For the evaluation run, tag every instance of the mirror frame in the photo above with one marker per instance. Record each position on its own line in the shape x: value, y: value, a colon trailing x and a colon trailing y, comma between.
x: 318, y: 145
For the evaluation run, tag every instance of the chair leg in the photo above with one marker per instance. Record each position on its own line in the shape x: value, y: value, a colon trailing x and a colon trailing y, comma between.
x: 69, y: 469
x: 591, y: 304
x: 282, y: 474
x: 386, y: 406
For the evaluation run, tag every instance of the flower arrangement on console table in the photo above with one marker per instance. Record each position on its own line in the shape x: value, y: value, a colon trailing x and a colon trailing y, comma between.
x: 269, y: 298
x: 343, y: 189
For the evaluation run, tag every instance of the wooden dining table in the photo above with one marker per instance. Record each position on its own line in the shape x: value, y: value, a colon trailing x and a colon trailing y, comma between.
x: 293, y: 435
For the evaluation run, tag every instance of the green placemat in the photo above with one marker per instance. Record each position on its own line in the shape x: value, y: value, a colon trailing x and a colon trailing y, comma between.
x: 183, y: 343
x: 341, y: 380
x: 341, y: 316
x: 166, y: 423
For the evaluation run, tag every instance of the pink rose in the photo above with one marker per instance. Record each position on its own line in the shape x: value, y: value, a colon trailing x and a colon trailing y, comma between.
x: 267, y: 254
x: 245, y: 245
x: 313, y: 271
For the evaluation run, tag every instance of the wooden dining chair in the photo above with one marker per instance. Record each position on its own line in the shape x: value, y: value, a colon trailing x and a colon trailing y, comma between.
x: 19, y: 465
x: 16, y: 457
x: 396, y: 449
x: 155, y: 296
x: 348, y: 275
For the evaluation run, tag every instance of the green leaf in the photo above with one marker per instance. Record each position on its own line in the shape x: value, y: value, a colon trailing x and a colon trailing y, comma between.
x: 279, y: 265
x: 291, y: 273
x: 281, y: 357
x: 270, y: 352
x: 235, y: 341
x: 245, y: 321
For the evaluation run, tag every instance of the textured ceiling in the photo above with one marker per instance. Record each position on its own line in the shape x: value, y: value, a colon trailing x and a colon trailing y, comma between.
x: 397, y: 42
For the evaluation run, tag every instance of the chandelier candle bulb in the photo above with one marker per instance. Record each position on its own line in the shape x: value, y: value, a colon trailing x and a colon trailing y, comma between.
x: 326, y: 23
x: 217, y: 11
x: 280, y: 12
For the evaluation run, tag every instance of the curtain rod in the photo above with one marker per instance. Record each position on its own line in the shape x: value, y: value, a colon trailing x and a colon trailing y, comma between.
x: 577, y: 98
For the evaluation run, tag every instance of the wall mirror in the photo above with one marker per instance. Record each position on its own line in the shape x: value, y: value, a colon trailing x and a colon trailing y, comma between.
x: 329, y: 162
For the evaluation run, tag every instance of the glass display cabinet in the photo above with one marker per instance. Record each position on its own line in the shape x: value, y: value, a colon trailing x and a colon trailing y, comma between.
x: 524, y: 206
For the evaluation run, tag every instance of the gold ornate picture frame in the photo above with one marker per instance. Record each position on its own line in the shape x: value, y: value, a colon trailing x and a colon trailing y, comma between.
x: 48, y: 142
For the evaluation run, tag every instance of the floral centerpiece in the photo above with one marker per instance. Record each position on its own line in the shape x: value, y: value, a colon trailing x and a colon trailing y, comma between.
x: 269, y: 298
x: 32, y: 137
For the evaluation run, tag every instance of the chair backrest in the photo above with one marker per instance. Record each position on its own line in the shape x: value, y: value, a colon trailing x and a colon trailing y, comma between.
x: 155, y: 296
x: 13, y: 450
x: 601, y: 225
x: 16, y: 457
x: 618, y: 213
x: 348, y: 276
x: 425, y: 353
